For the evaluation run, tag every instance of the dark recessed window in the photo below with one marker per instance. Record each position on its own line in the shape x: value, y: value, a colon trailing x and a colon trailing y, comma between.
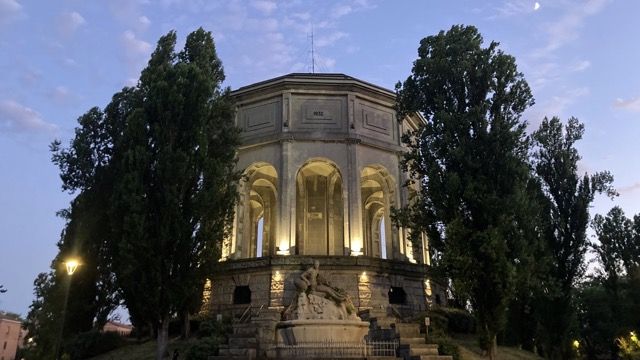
x: 397, y: 295
x: 438, y: 300
x: 242, y: 295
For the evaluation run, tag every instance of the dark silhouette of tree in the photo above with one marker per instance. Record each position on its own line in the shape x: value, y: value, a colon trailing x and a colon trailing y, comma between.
x: 159, y: 163
x: 568, y: 197
x: 470, y: 161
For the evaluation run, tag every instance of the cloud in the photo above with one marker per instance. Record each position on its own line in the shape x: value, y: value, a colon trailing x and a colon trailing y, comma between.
x: 143, y: 23
x: 136, y: 51
x: 17, y: 118
x: 264, y: 6
x: 632, y: 104
x: 133, y: 46
x: 347, y: 8
x: 330, y: 39
x: 555, y: 106
x: 511, y: 8
x: 69, y: 22
x: 10, y: 10
x: 559, y: 102
x: 580, y: 66
x: 60, y: 94
x: 305, y: 16
x: 341, y: 10
x: 566, y: 28
x: 630, y: 188
x: 70, y: 62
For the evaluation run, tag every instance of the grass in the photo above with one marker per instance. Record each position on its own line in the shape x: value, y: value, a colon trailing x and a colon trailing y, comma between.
x: 469, y: 350
x: 145, y: 350
x: 467, y: 345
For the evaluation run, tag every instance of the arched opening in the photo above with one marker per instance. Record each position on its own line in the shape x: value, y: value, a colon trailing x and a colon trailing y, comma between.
x: 260, y: 235
x: 377, y: 192
x: 257, y: 215
x: 319, y: 209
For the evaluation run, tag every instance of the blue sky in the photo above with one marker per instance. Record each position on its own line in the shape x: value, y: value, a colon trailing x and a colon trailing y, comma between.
x: 60, y: 58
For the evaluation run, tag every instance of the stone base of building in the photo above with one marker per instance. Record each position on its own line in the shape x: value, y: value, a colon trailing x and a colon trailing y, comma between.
x: 268, y: 283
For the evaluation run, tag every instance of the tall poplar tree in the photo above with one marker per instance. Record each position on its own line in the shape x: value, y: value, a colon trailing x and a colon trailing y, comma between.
x: 568, y: 197
x: 470, y: 161
x: 163, y: 154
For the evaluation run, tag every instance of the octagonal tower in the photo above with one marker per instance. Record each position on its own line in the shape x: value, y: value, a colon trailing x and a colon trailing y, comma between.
x: 321, y: 155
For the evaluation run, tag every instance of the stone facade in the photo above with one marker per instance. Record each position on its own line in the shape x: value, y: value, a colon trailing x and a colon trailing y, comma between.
x: 11, y: 337
x: 321, y: 156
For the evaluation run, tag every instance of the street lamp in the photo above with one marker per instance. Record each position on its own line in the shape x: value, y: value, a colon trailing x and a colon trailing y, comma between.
x: 71, y: 266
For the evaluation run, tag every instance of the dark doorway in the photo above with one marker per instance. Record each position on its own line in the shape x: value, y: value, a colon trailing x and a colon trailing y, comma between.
x: 242, y: 295
x: 397, y: 295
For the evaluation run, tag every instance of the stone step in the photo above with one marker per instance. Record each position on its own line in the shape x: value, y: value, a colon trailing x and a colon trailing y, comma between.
x: 409, y: 351
x: 423, y: 351
x: 432, y: 357
x: 244, y: 329
x: 408, y: 329
x: 243, y: 342
x: 235, y: 352
x: 412, y: 340
x: 418, y: 349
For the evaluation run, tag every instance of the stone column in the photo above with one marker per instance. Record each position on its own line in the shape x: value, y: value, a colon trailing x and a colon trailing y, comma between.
x: 354, y: 195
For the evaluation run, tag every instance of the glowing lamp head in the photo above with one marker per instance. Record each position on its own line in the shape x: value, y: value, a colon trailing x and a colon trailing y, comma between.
x: 576, y: 344
x: 71, y: 265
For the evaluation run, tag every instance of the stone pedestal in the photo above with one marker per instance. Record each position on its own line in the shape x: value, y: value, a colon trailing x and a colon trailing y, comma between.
x: 297, y: 332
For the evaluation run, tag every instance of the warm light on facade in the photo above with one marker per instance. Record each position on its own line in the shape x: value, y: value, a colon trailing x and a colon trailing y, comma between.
x: 277, y: 276
x: 282, y: 251
x: 359, y: 252
x: 427, y: 287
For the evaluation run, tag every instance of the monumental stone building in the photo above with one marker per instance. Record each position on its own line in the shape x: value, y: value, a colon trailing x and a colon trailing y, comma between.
x: 321, y: 155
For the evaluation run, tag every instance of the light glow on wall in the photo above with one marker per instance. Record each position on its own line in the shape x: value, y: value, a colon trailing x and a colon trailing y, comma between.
x: 283, y: 248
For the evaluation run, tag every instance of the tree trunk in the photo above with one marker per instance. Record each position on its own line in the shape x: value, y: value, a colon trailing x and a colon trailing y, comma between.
x: 493, y: 347
x: 163, y: 339
x: 186, y: 325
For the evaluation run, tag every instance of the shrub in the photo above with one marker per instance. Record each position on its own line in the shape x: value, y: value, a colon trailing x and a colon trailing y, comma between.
x: 210, y: 327
x: 446, y: 347
x: 92, y: 343
x: 452, y: 320
x: 203, y: 348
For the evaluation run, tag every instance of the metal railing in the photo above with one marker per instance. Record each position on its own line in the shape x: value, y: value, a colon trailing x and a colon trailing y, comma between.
x: 337, y: 349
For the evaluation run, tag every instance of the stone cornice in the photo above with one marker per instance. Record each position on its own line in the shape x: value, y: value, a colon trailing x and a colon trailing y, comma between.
x: 329, y: 263
x: 307, y: 80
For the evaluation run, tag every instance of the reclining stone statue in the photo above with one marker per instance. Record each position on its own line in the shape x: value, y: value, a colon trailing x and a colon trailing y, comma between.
x: 318, y: 299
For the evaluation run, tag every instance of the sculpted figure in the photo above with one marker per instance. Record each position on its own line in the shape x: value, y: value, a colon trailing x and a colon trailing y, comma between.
x: 312, y: 282
x: 318, y: 299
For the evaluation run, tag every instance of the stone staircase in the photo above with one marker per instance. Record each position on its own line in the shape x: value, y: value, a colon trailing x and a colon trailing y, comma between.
x: 413, y: 345
x: 243, y: 344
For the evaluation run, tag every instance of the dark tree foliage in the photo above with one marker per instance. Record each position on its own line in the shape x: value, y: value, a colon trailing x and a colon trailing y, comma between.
x: 615, y: 241
x: 2, y: 289
x: 470, y: 161
x: 78, y: 303
x: 44, y: 317
x: 568, y: 197
x: 615, y: 282
x: 160, y: 161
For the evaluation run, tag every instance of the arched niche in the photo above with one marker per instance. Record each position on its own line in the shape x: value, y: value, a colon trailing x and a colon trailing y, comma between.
x: 257, y: 215
x: 319, y: 209
x: 377, y: 189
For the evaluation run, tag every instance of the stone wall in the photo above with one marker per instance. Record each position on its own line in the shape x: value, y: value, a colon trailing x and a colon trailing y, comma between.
x: 271, y: 281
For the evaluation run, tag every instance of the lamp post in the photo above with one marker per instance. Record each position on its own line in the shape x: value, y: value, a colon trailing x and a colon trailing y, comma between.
x: 71, y: 265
